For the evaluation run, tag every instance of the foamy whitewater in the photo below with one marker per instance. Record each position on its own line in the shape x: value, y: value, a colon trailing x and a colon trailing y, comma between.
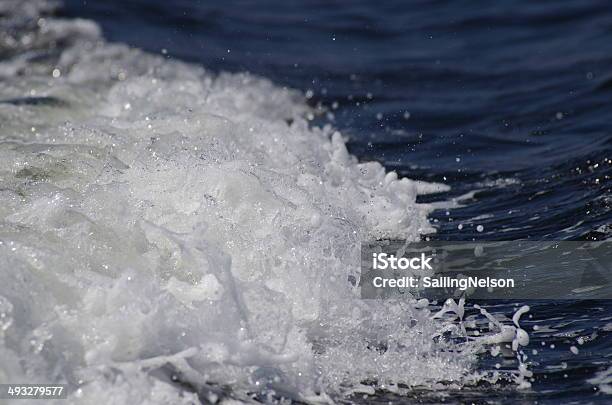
x: 166, y: 232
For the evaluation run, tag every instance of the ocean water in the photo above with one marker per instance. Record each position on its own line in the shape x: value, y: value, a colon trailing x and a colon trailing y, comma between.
x: 185, y: 185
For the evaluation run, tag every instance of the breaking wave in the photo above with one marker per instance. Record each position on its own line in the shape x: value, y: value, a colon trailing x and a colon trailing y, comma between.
x: 167, y: 233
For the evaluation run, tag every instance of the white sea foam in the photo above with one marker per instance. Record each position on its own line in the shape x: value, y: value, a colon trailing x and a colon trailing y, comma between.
x: 160, y: 221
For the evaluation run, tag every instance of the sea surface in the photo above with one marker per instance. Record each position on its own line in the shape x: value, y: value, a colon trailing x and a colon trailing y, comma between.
x: 509, y: 103
x: 510, y: 100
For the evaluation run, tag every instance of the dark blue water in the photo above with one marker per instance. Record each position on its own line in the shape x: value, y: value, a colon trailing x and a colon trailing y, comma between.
x: 510, y: 101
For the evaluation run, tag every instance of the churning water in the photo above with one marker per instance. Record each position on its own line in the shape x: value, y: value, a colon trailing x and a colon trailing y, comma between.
x: 170, y: 233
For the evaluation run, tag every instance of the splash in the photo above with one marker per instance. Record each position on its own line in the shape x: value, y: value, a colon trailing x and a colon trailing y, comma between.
x: 167, y: 233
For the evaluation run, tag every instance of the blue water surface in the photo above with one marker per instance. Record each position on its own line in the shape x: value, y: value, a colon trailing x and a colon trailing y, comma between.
x: 509, y: 102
